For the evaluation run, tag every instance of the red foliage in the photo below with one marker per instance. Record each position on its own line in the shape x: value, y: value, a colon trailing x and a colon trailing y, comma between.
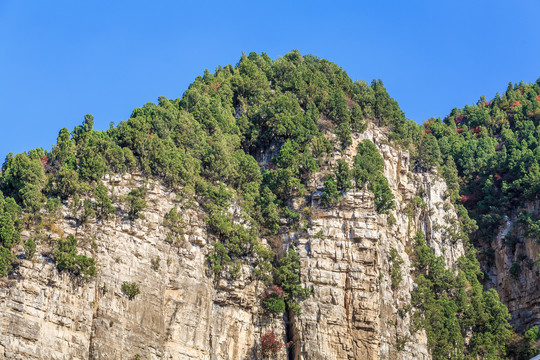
x: 476, y: 130
x: 522, y: 91
x: 459, y: 119
x: 44, y: 160
x: 269, y: 344
x: 459, y: 130
x: 497, y: 177
x: 516, y: 103
x: 466, y: 198
x: 538, y: 98
x: 274, y: 289
x: 428, y: 131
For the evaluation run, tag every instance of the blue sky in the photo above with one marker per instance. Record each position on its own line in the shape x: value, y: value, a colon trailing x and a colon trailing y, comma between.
x: 60, y: 60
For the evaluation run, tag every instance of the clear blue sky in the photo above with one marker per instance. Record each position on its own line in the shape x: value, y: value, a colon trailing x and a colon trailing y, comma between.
x: 60, y: 60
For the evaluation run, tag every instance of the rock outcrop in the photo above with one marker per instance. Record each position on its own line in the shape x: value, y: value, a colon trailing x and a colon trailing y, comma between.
x: 518, y: 288
x: 182, y: 312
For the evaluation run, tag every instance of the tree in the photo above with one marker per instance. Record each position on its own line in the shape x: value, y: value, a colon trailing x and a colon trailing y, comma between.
x: 67, y: 183
x: 136, y: 203
x: 29, y: 249
x: 367, y: 163
x: 342, y: 172
x: 6, y: 259
x: 88, y: 123
x: 330, y: 193
x: 130, y: 289
x: 91, y: 164
x: 428, y: 154
x: 343, y: 133
x: 268, y: 210
x: 67, y: 259
x: 383, y: 197
x: 22, y: 178
x: 64, y: 146
x: 288, y: 278
x: 103, y: 202
x: 9, y: 235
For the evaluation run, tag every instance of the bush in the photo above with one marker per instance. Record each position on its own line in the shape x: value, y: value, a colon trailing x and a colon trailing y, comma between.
x: 103, y: 202
x: 270, y: 346
x: 396, y: 261
x: 369, y: 168
x: 5, y: 261
x: 67, y: 259
x: 273, y: 300
x: 136, y: 203
x: 29, y: 249
x: 155, y: 263
x: 515, y: 270
x: 330, y: 193
x: 288, y: 277
x: 130, y: 289
x: 174, y: 221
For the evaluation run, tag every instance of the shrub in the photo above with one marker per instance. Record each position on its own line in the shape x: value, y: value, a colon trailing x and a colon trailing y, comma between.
x: 174, y: 221
x: 136, y: 203
x: 155, y: 263
x: 515, y: 270
x: 53, y: 205
x: 391, y: 220
x: 103, y: 202
x: 67, y: 259
x: 270, y: 346
x: 5, y: 261
x: 396, y: 261
x: 330, y: 193
x: 288, y: 277
x: 29, y: 249
x: 130, y: 289
x: 273, y: 300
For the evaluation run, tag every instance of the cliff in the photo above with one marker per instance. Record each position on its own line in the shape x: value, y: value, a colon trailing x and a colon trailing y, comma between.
x: 184, y: 312
x: 512, y: 269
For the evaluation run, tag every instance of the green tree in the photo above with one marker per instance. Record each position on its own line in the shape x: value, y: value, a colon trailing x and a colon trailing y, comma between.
x: 288, y: 277
x: 136, y: 203
x: 330, y: 193
x: 103, y: 202
x: 67, y: 183
x: 6, y: 258
x: 88, y: 211
x: 343, y: 178
x: 383, y: 197
x: 29, y: 249
x: 64, y: 146
x: 67, y: 259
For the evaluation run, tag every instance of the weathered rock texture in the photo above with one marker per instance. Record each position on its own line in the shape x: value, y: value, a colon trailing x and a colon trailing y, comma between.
x: 355, y: 313
x: 521, y: 294
x: 183, y: 313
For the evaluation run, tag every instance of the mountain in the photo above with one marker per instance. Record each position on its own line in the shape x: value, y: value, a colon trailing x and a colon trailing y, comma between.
x: 277, y: 209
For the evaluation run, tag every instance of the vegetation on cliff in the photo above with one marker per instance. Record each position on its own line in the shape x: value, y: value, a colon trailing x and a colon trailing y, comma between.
x: 209, y: 144
x: 491, y: 154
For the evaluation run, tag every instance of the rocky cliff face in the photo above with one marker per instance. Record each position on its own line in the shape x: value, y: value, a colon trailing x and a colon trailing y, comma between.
x: 520, y: 291
x: 355, y: 312
x: 184, y: 313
